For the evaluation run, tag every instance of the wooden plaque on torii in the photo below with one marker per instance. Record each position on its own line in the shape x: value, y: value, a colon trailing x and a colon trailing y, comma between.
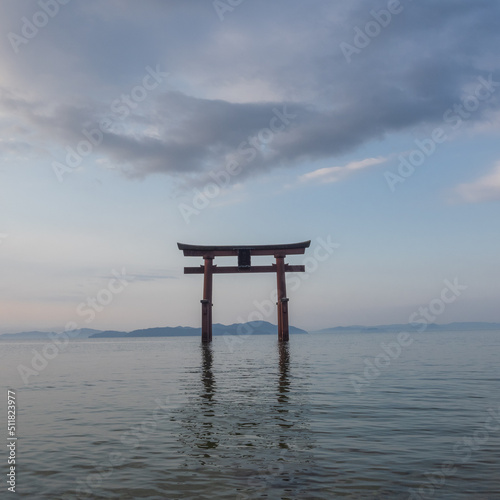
x: 244, y: 254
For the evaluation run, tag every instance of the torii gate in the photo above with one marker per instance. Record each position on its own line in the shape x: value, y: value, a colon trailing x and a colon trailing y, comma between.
x: 244, y: 254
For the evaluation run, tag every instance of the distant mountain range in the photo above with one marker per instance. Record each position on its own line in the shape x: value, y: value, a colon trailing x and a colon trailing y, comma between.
x: 252, y: 328
x: 81, y: 333
x: 430, y: 327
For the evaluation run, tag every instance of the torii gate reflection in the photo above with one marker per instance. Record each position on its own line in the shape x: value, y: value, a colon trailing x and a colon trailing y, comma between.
x: 244, y: 254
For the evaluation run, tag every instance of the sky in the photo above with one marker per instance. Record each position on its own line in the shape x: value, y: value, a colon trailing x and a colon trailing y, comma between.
x: 370, y: 128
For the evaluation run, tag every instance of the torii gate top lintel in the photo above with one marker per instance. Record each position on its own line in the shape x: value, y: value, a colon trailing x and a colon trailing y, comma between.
x: 244, y: 254
x: 228, y: 250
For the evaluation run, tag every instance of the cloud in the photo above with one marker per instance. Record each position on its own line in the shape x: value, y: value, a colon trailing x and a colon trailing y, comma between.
x: 486, y: 188
x: 335, y: 174
x: 225, y: 79
x: 153, y: 276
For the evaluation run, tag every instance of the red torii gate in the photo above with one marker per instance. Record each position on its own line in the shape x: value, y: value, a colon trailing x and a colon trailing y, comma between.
x: 244, y: 254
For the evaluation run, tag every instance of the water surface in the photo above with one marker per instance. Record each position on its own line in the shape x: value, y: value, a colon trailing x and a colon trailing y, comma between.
x: 250, y: 418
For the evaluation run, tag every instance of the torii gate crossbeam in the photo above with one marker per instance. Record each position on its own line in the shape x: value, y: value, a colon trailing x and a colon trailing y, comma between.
x: 244, y: 254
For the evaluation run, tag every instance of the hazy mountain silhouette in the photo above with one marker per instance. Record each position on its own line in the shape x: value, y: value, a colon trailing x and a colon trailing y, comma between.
x: 252, y: 328
x: 430, y: 327
x: 81, y: 333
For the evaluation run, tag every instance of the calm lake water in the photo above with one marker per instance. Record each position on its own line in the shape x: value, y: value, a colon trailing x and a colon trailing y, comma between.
x: 248, y: 418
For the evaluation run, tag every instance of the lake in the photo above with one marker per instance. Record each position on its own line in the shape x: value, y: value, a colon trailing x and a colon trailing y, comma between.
x: 325, y: 416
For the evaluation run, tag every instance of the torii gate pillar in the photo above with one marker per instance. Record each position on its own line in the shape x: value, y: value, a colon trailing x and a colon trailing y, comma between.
x: 282, y: 303
x: 244, y: 254
x: 206, y: 302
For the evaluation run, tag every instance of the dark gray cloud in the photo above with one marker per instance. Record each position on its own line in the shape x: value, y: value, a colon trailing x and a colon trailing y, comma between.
x: 226, y: 79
